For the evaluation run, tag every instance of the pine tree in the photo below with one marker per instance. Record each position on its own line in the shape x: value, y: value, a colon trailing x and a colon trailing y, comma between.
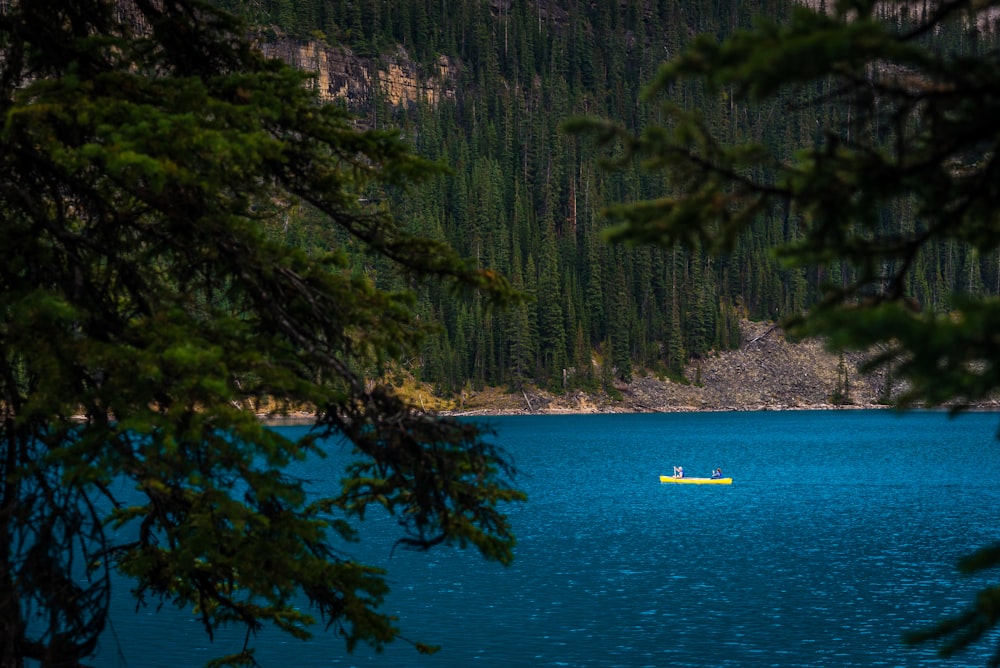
x: 551, y: 324
x: 148, y: 158
x: 904, y: 126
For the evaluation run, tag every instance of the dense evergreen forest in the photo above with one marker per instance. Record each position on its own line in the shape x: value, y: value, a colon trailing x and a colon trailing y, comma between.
x: 525, y: 198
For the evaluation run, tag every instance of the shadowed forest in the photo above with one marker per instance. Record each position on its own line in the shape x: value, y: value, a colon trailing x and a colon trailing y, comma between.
x: 525, y: 198
x: 541, y: 200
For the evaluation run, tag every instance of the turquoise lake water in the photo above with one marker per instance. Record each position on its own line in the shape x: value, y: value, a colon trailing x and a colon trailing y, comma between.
x: 839, y: 534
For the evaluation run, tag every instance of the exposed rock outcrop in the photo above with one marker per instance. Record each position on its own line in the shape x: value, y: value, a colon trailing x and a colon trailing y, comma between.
x: 359, y: 81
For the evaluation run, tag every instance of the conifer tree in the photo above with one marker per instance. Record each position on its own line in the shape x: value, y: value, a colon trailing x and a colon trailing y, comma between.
x: 149, y: 304
x: 903, y: 166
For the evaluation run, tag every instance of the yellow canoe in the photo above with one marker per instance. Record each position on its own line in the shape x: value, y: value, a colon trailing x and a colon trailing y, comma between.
x: 697, y: 481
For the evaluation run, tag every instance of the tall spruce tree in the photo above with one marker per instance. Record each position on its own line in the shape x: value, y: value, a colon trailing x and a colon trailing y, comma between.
x: 903, y: 167
x: 148, y: 304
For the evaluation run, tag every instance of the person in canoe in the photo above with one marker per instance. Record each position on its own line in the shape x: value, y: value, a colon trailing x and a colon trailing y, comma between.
x: 678, y: 471
x: 717, y: 473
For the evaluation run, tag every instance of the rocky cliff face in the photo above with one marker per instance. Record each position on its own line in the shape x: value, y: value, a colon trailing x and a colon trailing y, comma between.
x: 340, y: 73
x: 343, y: 75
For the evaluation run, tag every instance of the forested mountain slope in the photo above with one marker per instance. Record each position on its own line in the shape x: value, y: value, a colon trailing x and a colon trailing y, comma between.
x: 484, y: 86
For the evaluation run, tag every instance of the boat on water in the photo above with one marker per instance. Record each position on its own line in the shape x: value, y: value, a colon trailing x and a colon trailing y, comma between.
x: 696, y: 481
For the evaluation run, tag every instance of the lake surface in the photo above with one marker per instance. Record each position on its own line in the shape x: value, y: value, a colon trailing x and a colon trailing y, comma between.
x: 839, y: 534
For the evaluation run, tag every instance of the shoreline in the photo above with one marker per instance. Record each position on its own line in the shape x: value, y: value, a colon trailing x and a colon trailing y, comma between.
x: 766, y: 373
x: 304, y: 418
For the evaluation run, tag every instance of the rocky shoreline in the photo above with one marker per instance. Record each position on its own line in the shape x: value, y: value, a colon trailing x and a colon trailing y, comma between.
x: 767, y: 373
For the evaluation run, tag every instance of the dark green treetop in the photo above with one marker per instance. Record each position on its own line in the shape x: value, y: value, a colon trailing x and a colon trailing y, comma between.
x: 148, y: 155
x: 903, y: 173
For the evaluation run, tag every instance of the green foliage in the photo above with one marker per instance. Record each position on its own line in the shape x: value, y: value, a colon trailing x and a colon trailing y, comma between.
x: 150, y: 300
x: 521, y: 187
x: 891, y: 203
